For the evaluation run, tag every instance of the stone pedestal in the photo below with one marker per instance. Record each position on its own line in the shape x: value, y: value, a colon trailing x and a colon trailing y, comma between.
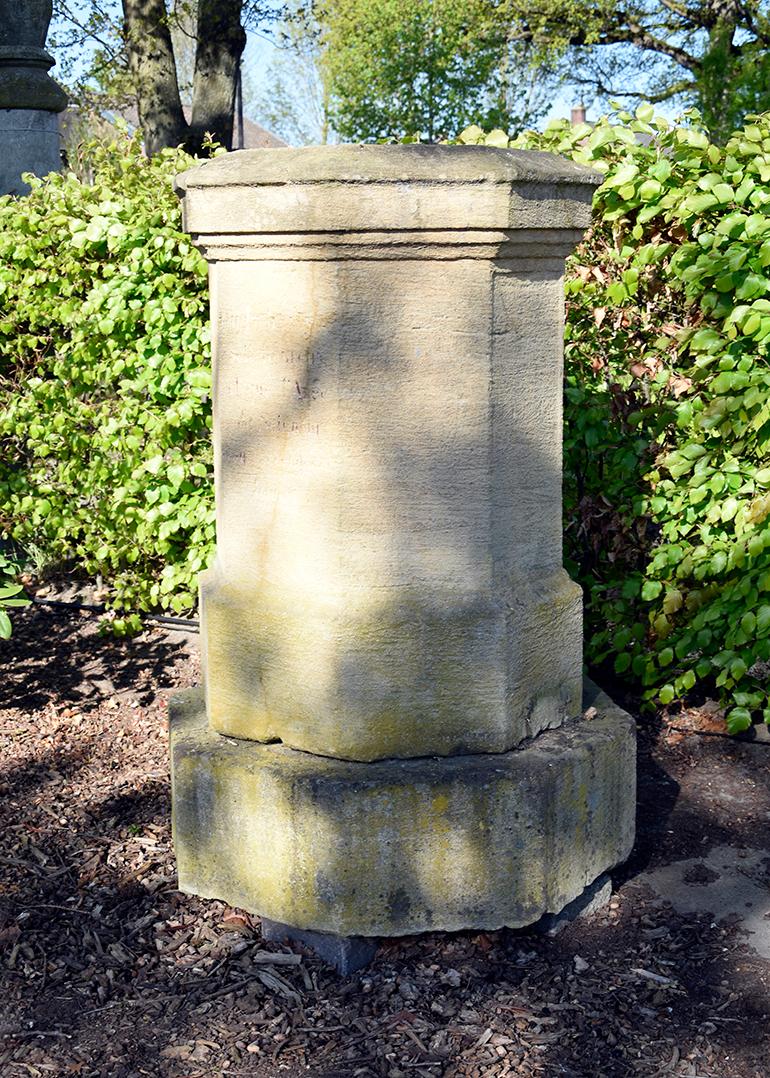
x: 29, y: 98
x: 392, y: 737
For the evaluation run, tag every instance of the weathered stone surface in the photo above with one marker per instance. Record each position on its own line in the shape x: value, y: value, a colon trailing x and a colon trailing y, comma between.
x: 391, y: 741
x: 29, y: 142
x: 387, y: 327
x: 25, y: 83
x: 333, y: 189
x: 24, y: 22
x: 401, y: 846
x: 29, y: 98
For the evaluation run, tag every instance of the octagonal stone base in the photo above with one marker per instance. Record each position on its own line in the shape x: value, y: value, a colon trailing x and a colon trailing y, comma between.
x: 401, y: 846
x: 394, y: 682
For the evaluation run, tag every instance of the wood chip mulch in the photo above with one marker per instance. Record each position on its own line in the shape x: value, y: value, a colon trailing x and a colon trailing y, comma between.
x: 107, y: 971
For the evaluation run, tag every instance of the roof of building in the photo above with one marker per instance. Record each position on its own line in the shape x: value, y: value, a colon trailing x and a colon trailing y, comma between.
x: 75, y: 124
x: 257, y: 137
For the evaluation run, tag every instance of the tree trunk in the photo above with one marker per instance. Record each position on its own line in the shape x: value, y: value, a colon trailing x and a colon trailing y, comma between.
x: 151, y: 62
x: 221, y: 40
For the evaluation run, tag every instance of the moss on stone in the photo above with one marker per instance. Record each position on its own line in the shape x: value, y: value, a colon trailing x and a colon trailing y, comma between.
x: 401, y: 846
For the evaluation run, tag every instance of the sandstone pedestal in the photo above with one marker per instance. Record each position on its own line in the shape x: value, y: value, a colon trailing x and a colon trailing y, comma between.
x: 392, y: 738
x: 401, y: 846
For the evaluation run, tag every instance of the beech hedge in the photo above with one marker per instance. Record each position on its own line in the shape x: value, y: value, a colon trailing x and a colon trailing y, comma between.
x: 105, y: 380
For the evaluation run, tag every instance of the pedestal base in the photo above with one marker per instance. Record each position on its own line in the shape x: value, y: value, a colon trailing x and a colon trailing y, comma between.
x: 401, y: 846
x: 594, y: 898
x: 29, y: 142
x: 345, y: 953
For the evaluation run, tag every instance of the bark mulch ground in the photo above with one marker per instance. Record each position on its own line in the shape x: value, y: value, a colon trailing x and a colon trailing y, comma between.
x: 107, y: 970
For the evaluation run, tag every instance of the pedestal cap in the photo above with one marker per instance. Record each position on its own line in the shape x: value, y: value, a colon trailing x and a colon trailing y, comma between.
x: 349, y: 189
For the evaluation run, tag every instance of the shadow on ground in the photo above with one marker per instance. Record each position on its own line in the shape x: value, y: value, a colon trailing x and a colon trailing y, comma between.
x: 108, y: 971
x: 58, y: 657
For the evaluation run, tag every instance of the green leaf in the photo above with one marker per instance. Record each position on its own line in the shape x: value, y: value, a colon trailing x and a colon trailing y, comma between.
x: 651, y: 589
x: 666, y: 694
x: 497, y: 138
x: 737, y: 669
x: 752, y: 285
x: 688, y: 680
x: 707, y: 340
x: 154, y: 464
x: 623, y: 176
x: 622, y: 662
x: 723, y: 192
x: 738, y: 720
x: 673, y: 601
x: 732, y: 225
x: 472, y: 135
x: 698, y: 203
x: 650, y: 189
x: 719, y: 562
x: 729, y: 509
x: 175, y: 474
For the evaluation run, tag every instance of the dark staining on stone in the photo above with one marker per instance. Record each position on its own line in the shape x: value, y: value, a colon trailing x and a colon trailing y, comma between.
x: 399, y: 905
x: 327, y: 893
x: 700, y: 875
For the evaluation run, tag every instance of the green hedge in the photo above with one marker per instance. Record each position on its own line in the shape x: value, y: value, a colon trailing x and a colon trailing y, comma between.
x: 667, y: 434
x: 11, y: 593
x: 105, y: 380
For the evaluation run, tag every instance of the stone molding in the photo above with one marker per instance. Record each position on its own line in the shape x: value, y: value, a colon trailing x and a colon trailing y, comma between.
x: 420, y: 189
x: 547, y: 245
x: 27, y: 85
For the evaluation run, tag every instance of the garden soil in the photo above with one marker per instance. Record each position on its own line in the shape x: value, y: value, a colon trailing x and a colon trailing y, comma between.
x: 108, y: 971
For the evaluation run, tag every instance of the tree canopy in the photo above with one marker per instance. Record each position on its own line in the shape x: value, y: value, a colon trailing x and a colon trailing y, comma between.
x: 424, y: 68
x: 427, y: 68
x: 707, y: 53
x: 409, y: 66
x: 144, y: 52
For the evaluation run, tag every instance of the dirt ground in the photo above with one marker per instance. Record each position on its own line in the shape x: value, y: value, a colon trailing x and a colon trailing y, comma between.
x: 107, y: 971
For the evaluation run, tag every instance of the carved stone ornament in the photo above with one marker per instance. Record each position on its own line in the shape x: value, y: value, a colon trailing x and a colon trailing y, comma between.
x: 24, y: 62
